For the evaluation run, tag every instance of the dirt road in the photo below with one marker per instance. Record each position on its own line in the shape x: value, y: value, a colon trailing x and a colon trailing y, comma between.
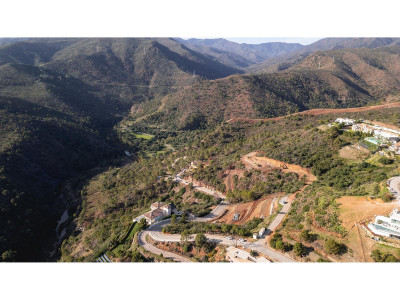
x: 320, y: 111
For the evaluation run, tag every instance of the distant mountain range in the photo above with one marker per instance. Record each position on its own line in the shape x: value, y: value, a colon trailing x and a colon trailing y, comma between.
x: 239, y: 55
x: 281, y: 62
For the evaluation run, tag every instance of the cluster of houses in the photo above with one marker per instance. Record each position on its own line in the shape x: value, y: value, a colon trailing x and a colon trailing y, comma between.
x: 382, y: 136
x: 158, y: 210
x: 387, y: 226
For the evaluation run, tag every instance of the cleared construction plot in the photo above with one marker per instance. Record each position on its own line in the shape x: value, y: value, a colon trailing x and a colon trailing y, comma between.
x: 360, y: 208
x: 247, y: 211
x: 256, y: 161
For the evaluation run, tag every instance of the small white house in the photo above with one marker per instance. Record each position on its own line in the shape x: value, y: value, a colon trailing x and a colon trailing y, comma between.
x: 345, y: 121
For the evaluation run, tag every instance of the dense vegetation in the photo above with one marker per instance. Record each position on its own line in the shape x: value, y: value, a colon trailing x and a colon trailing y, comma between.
x: 199, y: 227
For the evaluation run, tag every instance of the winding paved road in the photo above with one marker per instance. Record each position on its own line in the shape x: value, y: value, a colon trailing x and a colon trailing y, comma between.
x: 261, y: 245
x: 149, y: 247
x: 394, y: 184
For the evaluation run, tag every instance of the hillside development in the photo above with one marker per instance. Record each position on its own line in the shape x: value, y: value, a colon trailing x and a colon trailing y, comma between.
x: 108, y: 137
x: 279, y: 186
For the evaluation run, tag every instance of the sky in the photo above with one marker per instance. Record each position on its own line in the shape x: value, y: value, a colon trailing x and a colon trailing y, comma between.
x: 248, y: 40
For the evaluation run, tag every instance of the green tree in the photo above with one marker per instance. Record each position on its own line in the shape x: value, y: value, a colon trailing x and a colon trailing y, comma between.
x: 173, y: 219
x: 200, y: 240
x: 299, y: 249
x: 305, y: 235
x: 333, y: 247
x: 184, y: 236
x: 279, y: 245
x: 186, y: 247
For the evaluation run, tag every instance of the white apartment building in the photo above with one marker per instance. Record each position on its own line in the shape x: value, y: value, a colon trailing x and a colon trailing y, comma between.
x: 387, y: 226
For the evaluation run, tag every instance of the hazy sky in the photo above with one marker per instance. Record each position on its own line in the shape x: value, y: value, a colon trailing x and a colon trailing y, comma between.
x: 303, y: 41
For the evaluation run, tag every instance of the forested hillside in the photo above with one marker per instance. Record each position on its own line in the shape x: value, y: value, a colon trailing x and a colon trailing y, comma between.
x: 59, y: 102
x: 326, y: 79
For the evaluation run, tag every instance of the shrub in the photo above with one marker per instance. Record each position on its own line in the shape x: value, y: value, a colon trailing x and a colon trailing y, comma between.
x: 385, y: 161
x: 186, y: 247
x: 378, y: 256
x: 253, y: 253
x: 333, y: 247
x: 305, y: 235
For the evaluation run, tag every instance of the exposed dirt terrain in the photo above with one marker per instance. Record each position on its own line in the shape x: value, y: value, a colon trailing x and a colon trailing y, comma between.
x: 229, y: 179
x: 248, y: 211
x: 254, y: 160
x: 359, y: 208
x: 354, y: 211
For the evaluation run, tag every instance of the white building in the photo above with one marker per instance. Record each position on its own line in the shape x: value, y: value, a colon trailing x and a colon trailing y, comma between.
x: 395, y: 147
x: 158, y: 210
x: 345, y: 121
x: 363, y: 128
x: 387, y: 226
x: 166, y: 208
x: 237, y: 255
x: 386, y: 135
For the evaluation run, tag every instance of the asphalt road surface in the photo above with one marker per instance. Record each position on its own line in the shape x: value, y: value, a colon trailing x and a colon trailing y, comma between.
x: 155, y: 232
x: 149, y: 247
x: 394, y: 185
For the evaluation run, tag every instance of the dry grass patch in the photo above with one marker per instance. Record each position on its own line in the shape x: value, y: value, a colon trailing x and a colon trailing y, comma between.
x: 354, y: 152
x: 355, y: 209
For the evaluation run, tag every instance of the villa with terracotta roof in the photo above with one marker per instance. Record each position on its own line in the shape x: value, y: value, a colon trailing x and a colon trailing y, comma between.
x: 158, y: 210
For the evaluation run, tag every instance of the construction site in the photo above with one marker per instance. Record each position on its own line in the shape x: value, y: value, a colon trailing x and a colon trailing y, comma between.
x: 244, y: 212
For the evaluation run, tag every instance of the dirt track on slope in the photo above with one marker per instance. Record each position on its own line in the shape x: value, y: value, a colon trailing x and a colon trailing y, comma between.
x: 320, y: 111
